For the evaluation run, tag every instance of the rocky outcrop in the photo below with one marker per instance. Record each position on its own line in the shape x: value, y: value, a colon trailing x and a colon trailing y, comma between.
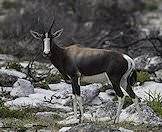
x: 9, y: 76
x: 12, y: 72
x: 148, y: 115
x: 22, y: 88
x: 146, y: 62
x: 148, y: 88
x: 59, y: 98
x: 88, y: 92
x: 7, y: 80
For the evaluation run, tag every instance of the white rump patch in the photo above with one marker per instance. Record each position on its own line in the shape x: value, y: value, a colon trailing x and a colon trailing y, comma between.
x: 46, y: 44
x: 131, y: 66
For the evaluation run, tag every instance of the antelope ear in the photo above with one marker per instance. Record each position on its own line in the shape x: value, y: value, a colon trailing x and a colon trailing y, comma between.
x: 57, y: 33
x: 36, y: 35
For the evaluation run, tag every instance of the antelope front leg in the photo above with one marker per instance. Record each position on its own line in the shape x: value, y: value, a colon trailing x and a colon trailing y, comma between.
x: 77, y: 98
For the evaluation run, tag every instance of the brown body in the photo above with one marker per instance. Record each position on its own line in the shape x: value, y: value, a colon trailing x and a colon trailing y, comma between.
x: 75, y: 61
x: 90, y: 61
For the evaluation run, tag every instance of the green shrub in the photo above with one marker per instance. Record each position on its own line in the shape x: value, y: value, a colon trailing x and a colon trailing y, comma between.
x: 143, y: 76
x: 151, y: 5
x: 42, y: 84
x: 128, y: 101
x: 53, y: 78
x: 5, y: 112
x: 1, y: 103
x: 14, y: 65
x: 2, y: 51
x: 155, y: 102
x: 7, y: 4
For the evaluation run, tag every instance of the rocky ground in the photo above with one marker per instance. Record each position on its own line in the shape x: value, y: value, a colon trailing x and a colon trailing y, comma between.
x: 25, y: 106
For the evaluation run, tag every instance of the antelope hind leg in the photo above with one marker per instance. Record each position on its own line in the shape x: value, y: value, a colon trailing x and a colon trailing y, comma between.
x: 80, y: 103
x: 75, y: 105
x: 120, y: 106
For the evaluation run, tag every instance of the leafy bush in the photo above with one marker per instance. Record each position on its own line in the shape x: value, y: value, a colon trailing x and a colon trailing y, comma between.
x: 14, y: 65
x: 5, y: 112
x: 1, y: 102
x: 128, y: 101
x: 53, y: 78
x: 1, y: 51
x: 7, y: 4
x: 42, y: 84
x: 143, y: 76
x: 151, y: 5
x: 155, y: 102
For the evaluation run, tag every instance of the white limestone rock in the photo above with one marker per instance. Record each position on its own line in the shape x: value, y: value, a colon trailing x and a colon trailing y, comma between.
x: 96, y: 101
x: 64, y: 129
x: 1, y: 124
x: 147, y: 88
x: 148, y: 115
x: 41, y: 98
x: 145, y: 62
x: 22, y: 88
x: 105, y: 97
x: 13, y: 72
x: 64, y: 90
x: 27, y: 102
x: 158, y: 75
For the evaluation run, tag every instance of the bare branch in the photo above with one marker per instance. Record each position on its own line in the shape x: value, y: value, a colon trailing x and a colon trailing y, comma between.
x: 30, y: 73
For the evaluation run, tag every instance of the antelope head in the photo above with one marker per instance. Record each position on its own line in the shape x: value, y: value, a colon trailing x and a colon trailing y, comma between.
x: 46, y: 38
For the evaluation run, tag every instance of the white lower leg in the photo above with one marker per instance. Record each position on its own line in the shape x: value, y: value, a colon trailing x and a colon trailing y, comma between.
x: 108, y: 80
x: 120, y: 106
x: 75, y: 105
x: 79, y: 98
x: 136, y: 102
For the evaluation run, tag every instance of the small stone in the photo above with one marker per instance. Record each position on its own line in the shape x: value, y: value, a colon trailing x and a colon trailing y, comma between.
x: 69, y: 121
x: 104, y: 97
x: 64, y: 129
x: 159, y: 75
x: 1, y: 124
x: 96, y: 101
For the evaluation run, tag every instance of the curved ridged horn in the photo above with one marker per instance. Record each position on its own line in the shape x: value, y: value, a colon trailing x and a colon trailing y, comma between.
x: 51, y: 26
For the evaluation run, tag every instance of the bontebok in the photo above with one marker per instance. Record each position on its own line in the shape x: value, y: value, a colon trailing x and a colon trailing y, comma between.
x: 74, y: 62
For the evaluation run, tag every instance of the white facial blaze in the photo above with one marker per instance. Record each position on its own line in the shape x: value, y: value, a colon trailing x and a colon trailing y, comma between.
x: 46, y: 44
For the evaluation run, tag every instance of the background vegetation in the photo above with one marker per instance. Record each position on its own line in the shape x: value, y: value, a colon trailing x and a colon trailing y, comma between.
x: 102, y: 24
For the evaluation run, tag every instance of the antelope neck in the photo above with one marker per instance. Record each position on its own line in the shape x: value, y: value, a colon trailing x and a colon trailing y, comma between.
x: 56, y: 51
